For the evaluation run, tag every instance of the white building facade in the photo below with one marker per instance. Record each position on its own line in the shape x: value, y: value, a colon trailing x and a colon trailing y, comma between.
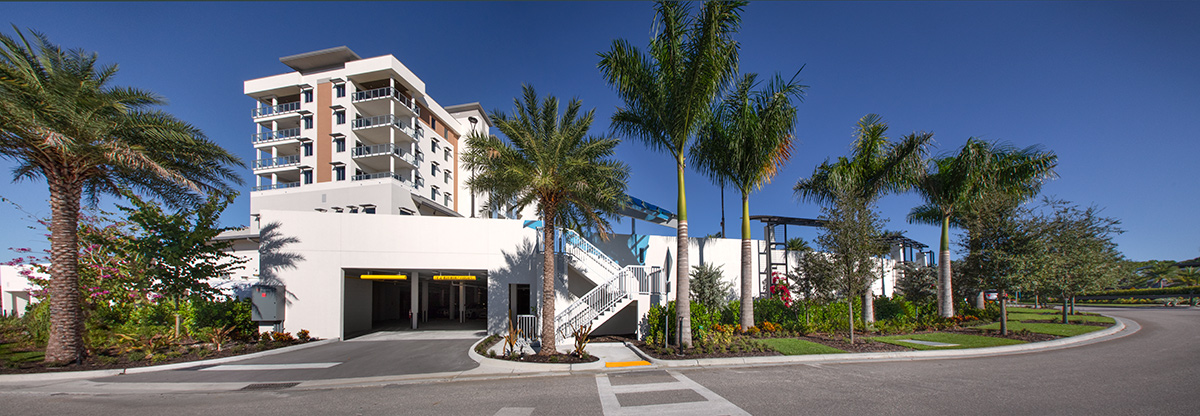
x: 361, y: 218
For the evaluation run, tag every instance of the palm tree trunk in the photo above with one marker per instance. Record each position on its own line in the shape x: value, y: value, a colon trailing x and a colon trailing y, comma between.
x: 683, y: 306
x: 945, y: 294
x: 747, y: 279
x: 549, y: 298
x: 868, y: 308
x: 66, y: 317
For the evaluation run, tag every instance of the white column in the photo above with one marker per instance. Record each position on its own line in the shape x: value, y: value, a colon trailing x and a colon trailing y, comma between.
x: 424, y: 301
x: 414, y: 297
x: 462, y: 300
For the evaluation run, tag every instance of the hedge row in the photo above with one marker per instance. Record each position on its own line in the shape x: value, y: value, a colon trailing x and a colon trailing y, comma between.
x: 1177, y: 290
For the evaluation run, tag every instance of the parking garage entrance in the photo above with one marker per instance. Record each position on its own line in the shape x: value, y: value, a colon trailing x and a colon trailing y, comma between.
x: 405, y: 300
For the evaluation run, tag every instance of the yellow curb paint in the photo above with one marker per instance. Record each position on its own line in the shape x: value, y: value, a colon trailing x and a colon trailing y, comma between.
x: 626, y: 363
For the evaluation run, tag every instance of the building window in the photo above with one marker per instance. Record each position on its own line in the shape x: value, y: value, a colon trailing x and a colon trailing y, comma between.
x: 307, y: 176
x: 447, y: 154
x: 339, y: 144
x: 406, y: 211
x: 433, y: 194
x: 307, y: 147
x: 353, y: 210
x: 340, y: 116
x: 368, y: 210
x: 308, y: 96
x: 433, y: 124
x: 340, y: 90
x: 307, y: 122
x: 433, y: 145
x: 339, y: 173
x: 433, y: 169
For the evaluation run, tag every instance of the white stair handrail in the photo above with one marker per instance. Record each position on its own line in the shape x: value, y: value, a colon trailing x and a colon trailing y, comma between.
x: 575, y: 244
x: 605, y: 297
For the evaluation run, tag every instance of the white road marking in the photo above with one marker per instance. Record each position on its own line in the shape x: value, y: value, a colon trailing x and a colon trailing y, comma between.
x: 263, y: 367
x: 713, y: 405
x: 515, y: 411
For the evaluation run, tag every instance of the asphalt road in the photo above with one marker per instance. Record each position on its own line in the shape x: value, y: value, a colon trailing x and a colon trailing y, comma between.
x: 1152, y: 371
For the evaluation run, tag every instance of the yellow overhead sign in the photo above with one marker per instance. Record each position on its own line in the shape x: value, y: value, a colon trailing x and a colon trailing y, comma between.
x: 440, y: 277
x: 383, y: 277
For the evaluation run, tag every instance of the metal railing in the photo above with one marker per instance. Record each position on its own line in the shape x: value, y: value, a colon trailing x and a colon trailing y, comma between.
x: 277, y: 162
x: 603, y: 298
x: 276, y: 135
x: 377, y: 175
x: 279, y: 109
x: 574, y: 243
x: 385, y: 92
x: 377, y: 121
x: 530, y: 331
x: 284, y: 185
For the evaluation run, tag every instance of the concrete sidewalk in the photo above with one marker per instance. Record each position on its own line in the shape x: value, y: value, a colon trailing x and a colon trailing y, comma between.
x: 164, y: 380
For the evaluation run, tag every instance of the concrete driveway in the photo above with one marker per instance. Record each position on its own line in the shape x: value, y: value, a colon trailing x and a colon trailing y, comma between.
x: 384, y: 353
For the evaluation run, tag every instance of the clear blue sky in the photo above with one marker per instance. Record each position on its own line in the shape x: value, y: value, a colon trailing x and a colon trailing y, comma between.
x: 1111, y: 87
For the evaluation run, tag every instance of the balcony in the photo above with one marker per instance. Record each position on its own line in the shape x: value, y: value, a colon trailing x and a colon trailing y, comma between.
x: 369, y: 128
x: 277, y: 162
x: 284, y: 185
x: 376, y: 101
x: 274, y: 136
x: 379, y: 175
x: 285, y: 108
x: 363, y: 152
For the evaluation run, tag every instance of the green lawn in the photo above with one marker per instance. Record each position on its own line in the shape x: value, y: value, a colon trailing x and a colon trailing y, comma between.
x: 793, y: 346
x: 1062, y: 330
x: 963, y: 341
x: 8, y: 356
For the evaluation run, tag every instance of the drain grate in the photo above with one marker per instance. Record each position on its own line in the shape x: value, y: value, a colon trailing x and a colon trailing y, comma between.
x: 269, y: 386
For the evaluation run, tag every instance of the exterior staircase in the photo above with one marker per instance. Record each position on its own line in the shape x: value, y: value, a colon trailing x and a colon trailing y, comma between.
x: 616, y: 286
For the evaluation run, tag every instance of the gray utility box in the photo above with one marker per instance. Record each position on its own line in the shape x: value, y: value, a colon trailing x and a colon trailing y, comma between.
x: 266, y: 303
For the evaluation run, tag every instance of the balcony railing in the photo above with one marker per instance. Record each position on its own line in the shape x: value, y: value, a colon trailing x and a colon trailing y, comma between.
x: 368, y: 176
x: 385, y: 149
x: 383, y: 93
x: 277, y: 162
x: 284, y: 185
x: 271, y: 136
x: 279, y: 109
x: 377, y: 121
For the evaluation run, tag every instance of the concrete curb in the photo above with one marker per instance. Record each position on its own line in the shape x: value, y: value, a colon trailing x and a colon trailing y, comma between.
x: 76, y: 375
x: 886, y: 356
x: 518, y: 367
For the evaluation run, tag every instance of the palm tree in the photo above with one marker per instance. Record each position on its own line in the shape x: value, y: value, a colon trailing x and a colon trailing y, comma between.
x: 62, y: 121
x: 876, y: 167
x: 548, y: 161
x: 953, y: 184
x: 669, y: 94
x: 745, y: 144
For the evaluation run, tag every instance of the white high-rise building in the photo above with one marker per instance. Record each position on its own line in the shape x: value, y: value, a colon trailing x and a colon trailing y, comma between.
x: 344, y: 134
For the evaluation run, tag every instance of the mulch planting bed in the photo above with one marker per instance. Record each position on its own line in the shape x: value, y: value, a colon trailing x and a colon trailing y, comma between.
x: 861, y: 344
x: 551, y: 359
x: 106, y: 362
x: 657, y: 351
x: 1019, y: 336
x: 1059, y: 321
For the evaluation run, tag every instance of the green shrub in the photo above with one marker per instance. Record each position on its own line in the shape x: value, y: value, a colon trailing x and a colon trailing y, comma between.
x: 231, y: 313
x: 703, y: 320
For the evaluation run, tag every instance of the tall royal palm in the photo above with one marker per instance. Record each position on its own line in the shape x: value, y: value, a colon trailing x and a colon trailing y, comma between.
x: 746, y: 142
x: 669, y: 94
x: 548, y: 161
x: 954, y: 183
x: 62, y: 121
x: 876, y: 167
